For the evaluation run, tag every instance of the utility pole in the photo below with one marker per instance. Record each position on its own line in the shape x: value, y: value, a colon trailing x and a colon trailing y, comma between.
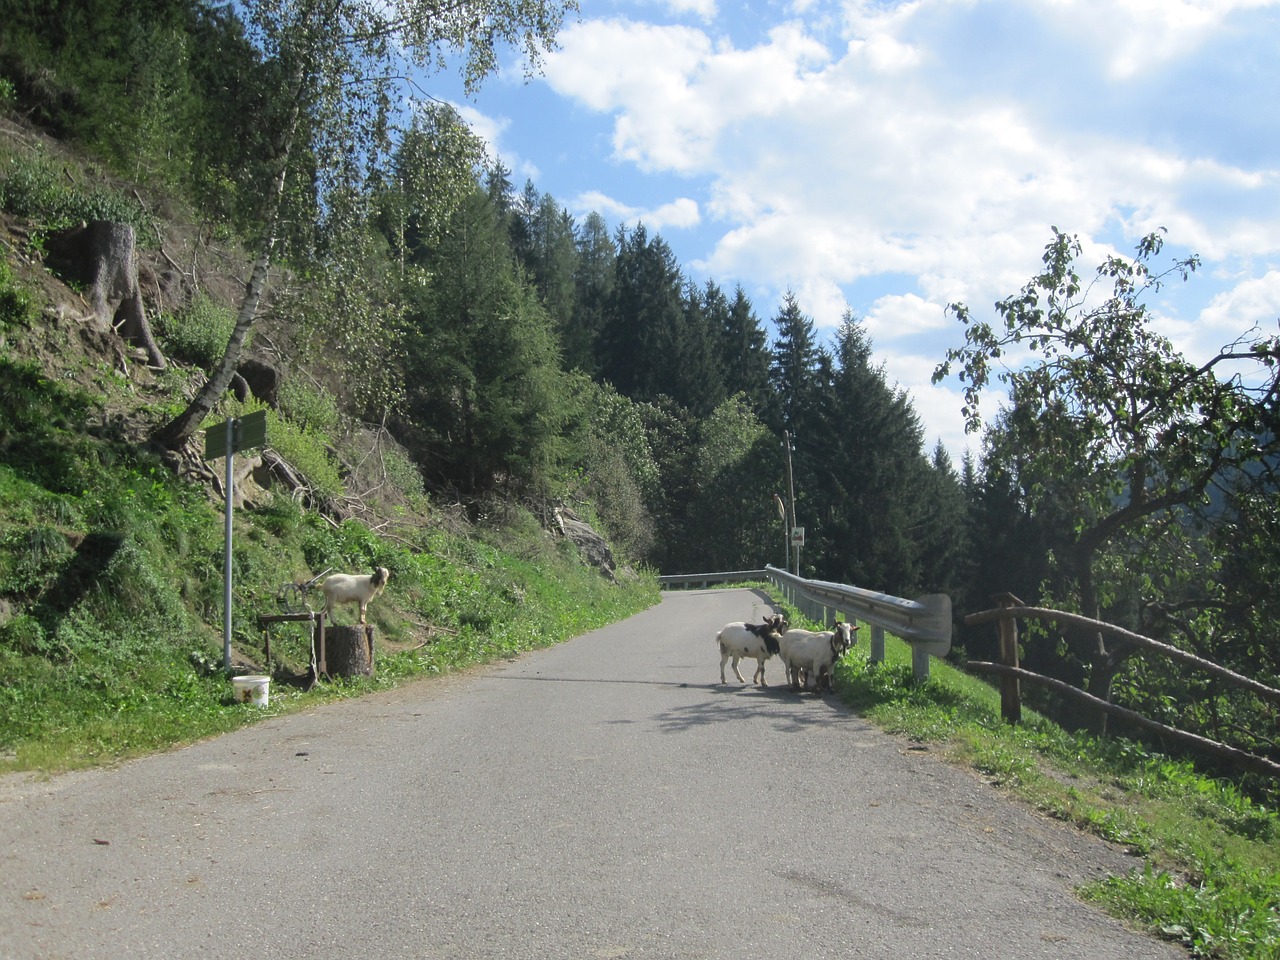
x: 791, y: 492
x: 786, y: 533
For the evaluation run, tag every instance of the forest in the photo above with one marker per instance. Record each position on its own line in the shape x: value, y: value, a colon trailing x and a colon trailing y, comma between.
x: 518, y: 354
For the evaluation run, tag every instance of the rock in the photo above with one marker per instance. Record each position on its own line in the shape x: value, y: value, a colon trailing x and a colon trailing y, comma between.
x: 593, y: 547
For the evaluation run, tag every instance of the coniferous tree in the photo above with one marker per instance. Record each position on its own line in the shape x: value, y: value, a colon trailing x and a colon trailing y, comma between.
x: 874, y: 491
x: 694, y: 376
x: 593, y: 289
x: 498, y: 188
x: 644, y: 316
x: 941, y: 531
x: 743, y: 351
x: 487, y: 404
x: 793, y: 364
x: 551, y: 259
x: 795, y: 370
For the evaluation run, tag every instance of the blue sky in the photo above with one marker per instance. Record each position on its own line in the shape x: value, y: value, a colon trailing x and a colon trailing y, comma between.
x: 892, y: 157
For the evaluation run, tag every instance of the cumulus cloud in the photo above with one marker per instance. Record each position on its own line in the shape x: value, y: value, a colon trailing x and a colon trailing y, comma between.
x: 678, y: 214
x: 894, y: 158
x: 1251, y: 303
x: 1137, y: 35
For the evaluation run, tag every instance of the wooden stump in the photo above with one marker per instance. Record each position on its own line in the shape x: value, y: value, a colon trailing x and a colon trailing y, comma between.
x: 348, y: 651
x: 100, y: 255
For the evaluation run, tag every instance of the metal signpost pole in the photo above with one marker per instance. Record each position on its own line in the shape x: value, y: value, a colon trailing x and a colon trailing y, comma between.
x: 791, y: 493
x: 223, y: 440
x: 786, y: 539
x: 226, y: 574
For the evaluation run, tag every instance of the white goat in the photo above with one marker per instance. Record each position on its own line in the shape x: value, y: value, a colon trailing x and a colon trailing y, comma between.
x: 758, y: 641
x: 353, y: 588
x: 809, y: 653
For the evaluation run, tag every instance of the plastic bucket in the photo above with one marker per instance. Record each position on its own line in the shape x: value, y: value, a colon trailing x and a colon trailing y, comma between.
x: 252, y: 689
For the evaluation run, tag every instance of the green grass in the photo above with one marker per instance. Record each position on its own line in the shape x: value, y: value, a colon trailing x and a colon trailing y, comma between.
x: 134, y: 665
x: 111, y: 569
x: 1210, y: 846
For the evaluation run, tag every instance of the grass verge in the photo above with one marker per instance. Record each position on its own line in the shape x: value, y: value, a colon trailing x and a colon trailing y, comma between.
x: 1210, y: 879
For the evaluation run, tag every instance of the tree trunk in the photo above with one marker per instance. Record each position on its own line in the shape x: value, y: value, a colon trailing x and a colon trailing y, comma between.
x: 175, y: 434
x: 349, y: 650
x: 100, y: 254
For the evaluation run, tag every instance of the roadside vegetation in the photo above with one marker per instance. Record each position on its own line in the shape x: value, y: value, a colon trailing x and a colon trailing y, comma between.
x: 111, y: 566
x: 455, y: 362
x: 1207, y: 846
x: 118, y: 564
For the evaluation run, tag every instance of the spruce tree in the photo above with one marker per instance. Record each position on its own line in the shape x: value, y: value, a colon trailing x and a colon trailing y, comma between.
x: 593, y: 288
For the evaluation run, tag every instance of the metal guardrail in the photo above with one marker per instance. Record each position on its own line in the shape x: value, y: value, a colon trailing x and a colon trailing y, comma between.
x: 924, y: 623
x: 707, y: 579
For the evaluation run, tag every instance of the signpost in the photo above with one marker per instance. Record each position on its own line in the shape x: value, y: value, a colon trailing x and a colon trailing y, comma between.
x: 224, y: 440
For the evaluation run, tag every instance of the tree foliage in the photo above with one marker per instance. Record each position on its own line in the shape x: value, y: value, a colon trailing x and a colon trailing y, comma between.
x: 340, y: 64
x: 518, y: 353
x: 486, y: 403
x: 1122, y: 450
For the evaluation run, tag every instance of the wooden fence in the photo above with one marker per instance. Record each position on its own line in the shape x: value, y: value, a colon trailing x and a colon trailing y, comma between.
x: 1011, y: 610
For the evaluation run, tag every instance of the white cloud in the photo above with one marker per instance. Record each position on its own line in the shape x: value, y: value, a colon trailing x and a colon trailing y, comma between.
x: 703, y: 9
x: 678, y: 214
x: 488, y: 128
x: 897, y: 315
x: 911, y: 154
x: 1253, y: 302
x: 1134, y: 36
x: 672, y: 88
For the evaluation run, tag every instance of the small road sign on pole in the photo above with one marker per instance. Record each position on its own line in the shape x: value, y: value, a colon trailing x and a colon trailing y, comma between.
x: 245, y: 434
x: 223, y: 440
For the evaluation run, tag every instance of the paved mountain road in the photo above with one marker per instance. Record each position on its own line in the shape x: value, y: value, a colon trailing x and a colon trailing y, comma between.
x: 601, y: 799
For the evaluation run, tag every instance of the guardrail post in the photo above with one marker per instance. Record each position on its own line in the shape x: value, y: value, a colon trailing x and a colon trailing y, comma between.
x: 877, y: 644
x: 919, y: 663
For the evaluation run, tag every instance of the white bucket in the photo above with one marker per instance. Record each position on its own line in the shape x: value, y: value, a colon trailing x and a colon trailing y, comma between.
x: 252, y: 689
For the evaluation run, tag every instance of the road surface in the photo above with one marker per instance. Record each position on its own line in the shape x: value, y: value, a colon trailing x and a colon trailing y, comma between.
x: 606, y: 798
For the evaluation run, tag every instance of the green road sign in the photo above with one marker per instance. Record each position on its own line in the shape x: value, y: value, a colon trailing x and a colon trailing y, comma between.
x: 246, y: 432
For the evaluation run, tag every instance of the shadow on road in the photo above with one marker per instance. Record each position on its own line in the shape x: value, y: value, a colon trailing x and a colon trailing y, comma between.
x: 732, y: 703
x: 778, y: 705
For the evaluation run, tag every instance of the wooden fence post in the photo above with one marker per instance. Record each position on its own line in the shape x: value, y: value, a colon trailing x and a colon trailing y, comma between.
x: 1010, y: 686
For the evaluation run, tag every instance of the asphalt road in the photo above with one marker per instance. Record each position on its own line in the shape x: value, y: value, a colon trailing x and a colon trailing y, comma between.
x: 606, y: 798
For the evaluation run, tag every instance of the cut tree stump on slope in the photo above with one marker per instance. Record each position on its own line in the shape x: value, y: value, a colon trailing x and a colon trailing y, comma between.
x: 100, y: 255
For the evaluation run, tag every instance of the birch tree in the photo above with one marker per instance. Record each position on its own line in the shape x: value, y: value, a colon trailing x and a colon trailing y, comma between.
x: 344, y: 67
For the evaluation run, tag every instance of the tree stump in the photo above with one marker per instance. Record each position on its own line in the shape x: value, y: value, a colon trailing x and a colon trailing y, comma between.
x: 100, y: 254
x: 348, y: 650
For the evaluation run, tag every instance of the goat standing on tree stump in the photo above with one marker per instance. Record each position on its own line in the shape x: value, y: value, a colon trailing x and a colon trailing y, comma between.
x: 353, y: 588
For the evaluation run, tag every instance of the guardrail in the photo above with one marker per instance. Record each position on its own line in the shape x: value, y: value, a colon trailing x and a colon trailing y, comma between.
x: 707, y: 579
x: 924, y: 623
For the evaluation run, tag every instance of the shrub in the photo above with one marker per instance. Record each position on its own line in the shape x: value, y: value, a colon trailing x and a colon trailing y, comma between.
x: 33, y: 187
x: 199, y: 334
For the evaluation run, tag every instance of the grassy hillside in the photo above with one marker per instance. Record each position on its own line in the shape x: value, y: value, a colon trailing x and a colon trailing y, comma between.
x: 111, y: 553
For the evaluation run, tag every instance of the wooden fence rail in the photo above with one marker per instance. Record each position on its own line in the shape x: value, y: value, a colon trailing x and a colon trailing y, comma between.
x: 1010, y: 672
